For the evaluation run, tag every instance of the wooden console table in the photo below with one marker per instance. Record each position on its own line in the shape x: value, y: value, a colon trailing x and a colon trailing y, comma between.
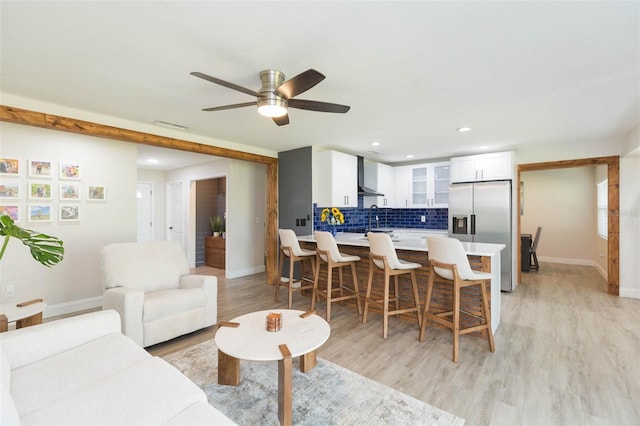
x: 214, y: 252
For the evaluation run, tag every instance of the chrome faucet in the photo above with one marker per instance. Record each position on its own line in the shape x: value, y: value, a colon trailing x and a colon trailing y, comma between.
x: 370, y: 212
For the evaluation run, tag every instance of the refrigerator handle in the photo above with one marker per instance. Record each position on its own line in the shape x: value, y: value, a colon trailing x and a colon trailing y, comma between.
x: 473, y: 224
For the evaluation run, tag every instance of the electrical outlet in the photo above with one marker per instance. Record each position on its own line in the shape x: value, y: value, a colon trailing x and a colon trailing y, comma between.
x: 423, y: 218
x: 9, y: 290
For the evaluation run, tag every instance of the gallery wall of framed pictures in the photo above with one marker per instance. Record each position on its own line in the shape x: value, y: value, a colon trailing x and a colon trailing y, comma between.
x: 41, y: 190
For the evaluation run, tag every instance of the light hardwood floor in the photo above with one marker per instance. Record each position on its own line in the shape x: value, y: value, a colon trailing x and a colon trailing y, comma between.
x: 566, y: 352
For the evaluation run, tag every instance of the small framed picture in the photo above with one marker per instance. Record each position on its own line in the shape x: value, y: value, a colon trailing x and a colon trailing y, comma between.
x: 40, y: 168
x: 9, y: 166
x: 10, y: 190
x: 39, y: 190
x: 69, y: 191
x: 69, y: 213
x: 69, y: 170
x: 10, y: 210
x: 39, y: 213
x: 96, y: 193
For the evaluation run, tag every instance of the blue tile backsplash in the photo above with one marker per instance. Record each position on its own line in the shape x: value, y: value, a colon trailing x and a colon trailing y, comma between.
x: 357, y: 218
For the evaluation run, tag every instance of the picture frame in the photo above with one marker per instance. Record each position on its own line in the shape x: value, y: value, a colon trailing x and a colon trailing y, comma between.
x: 9, y: 166
x: 69, y: 213
x: 39, y: 190
x: 69, y: 170
x: 40, y: 168
x: 39, y: 213
x: 69, y: 191
x: 10, y: 190
x: 11, y: 210
x: 96, y: 193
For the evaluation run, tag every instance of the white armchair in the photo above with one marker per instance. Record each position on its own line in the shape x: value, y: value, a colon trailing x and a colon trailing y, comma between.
x: 150, y: 286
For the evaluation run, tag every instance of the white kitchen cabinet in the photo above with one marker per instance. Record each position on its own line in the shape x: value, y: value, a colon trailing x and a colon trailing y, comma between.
x: 381, y: 178
x: 425, y: 185
x: 402, y: 187
x: 336, y: 179
x: 482, y: 167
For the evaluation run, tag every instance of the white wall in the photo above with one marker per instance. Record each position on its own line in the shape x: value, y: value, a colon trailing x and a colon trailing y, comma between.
x: 562, y: 201
x: 75, y: 283
x: 246, y: 210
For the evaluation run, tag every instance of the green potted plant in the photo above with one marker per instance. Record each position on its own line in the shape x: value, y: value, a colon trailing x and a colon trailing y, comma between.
x: 217, y: 225
x: 45, y: 249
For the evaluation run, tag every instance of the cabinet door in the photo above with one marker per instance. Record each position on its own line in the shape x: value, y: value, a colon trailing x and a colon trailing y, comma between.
x: 463, y: 169
x: 386, y: 185
x: 419, y: 193
x: 402, y: 187
x: 495, y: 166
x: 439, y: 195
x: 344, y: 176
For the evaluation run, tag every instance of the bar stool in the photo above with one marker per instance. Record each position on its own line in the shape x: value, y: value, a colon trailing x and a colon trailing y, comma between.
x: 383, y: 257
x: 449, y: 261
x: 290, y: 247
x: 327, y: 252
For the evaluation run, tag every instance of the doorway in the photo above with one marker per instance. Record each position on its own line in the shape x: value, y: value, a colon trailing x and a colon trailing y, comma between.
x: 211, y: 201
x: 145, y: 211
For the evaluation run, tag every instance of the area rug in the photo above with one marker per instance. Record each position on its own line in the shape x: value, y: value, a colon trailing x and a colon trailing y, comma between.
x: 327, y: 395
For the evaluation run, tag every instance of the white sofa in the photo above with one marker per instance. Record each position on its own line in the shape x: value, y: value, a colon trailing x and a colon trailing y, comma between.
x: 83, y: 371
x: 150, y: 286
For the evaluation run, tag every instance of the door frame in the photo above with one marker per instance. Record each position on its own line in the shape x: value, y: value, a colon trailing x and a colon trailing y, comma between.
x: 71, y: 125
x: 613, y: 222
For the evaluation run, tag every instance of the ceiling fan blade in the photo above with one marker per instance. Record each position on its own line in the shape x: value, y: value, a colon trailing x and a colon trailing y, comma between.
x: 222, y: 108
x: 225, y: 83
x: 317, y: 106
x: 281, y: 121
x: 299, y: 84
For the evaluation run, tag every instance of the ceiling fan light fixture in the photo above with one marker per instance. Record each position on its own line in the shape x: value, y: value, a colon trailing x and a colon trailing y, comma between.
x: 273, y: 107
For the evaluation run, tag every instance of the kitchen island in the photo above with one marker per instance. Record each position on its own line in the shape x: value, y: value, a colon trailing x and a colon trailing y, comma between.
x: 413, y: 247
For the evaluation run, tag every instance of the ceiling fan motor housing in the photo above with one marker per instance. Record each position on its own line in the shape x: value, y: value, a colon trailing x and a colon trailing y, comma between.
x: 271, y: 80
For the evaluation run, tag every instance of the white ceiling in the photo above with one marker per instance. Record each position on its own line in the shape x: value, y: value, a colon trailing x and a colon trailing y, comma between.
x: 518, y: 73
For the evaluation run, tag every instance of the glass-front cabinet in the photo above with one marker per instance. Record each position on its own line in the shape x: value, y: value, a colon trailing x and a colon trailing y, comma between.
x: 429, y: 185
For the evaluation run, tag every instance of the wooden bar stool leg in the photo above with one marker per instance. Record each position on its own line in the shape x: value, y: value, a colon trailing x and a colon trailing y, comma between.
x: 316, y: 278
x: 456, y: 320
x: 427, y: 304
x: 396, y: 292
x: 487, y: 314
x: 279, y: 283
x: 416, y: 297
x: 356, y: 287
x: 291, y: 265
x: 385, y: 308
x: 329, y: 290
x: 367, y: 295
x: 341, y: 282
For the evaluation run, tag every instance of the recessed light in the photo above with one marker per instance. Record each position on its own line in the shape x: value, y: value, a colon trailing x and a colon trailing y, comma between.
x: 410, y: 156
x: 171, y: 125
x: 152, y: 161
x: 375, y: 143
x: 464, y: 129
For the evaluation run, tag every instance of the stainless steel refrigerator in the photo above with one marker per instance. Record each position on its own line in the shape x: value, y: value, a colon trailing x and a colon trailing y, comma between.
x: 481, y: 212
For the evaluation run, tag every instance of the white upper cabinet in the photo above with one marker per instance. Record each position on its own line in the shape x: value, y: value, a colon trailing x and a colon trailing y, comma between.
x: 336, y: 179
x: 402, y: 187
x: 381, y: 178
x: 425, y: 185
x: 482, y: 167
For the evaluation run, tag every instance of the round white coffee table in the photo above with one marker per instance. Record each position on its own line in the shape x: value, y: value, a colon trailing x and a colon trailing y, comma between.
x: 246, y: 337
x: 23, y: 314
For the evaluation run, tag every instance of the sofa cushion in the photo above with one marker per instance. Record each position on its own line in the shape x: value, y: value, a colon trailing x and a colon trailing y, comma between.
x: 5, y: 369
x: 41, y: 384
x: 165, y: 303
x: 143, y: 266
x: 8, y: 412
x: 148, y: 392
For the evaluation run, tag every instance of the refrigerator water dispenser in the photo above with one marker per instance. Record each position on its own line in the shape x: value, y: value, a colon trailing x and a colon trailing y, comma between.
x: 459, y: 225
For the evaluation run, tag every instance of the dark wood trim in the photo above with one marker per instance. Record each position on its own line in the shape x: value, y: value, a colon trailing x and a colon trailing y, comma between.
x: 66, y: 124
x: 613, y: 242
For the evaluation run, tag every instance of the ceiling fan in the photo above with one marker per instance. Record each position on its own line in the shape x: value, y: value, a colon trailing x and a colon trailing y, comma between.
x: 276, y: 95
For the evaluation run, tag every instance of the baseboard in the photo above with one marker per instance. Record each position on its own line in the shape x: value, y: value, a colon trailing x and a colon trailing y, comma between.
x: 633, y: 293
x: 567, y: 261
x: 245, y: 272
x: 603, y: 273
x: 73, y: 306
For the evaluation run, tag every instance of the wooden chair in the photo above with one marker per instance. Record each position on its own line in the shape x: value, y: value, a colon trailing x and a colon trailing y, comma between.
x: 290, y: 247
x: 327, y: 252
x: 383, y: 258
x: 449, y: 261
x: 532, y: 251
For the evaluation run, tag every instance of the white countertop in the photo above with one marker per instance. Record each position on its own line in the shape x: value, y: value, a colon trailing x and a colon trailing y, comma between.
x: 403, y: 241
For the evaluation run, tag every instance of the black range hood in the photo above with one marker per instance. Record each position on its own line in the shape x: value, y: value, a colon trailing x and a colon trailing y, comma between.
x: 362, y: 189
